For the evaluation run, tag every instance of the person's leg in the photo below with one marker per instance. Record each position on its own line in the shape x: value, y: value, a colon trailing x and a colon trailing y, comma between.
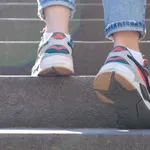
x: 125, y: 22
x: 57, y: 18
x: 55, y: 49
x: 123, y: 79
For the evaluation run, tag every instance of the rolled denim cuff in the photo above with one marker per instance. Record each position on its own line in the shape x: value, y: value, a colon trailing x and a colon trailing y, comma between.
x: 43, y: 4
x: 131, y: 25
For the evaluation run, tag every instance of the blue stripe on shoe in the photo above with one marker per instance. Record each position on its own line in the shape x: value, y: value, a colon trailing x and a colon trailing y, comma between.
x: 116, y: 59
x: 57, y: 49
x: 62, y: 51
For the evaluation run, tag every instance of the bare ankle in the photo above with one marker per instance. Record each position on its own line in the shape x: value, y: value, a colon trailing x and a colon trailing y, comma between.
x: 57, y: 19
x: 129, y: 39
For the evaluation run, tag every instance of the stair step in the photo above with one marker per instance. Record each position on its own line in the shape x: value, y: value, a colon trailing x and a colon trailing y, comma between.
x: 25, y: 30
x: 30, y: 11
x: 18, y: 59
x: 74, y: 139
x: 30, y: 30
x: 52, y: 102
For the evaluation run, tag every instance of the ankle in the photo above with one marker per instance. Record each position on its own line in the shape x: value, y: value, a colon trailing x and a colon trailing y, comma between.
x: 57, y: 19
x: 128, y: 39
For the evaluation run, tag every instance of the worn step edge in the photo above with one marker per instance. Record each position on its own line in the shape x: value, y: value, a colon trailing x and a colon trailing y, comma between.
x: 73, y: 131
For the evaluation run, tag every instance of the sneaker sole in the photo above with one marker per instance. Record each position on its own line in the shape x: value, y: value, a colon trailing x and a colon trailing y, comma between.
x: 113, y: 88
x: 56, y: 71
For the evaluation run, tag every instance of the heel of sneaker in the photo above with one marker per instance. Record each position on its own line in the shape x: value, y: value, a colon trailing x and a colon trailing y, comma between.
x: 56, y: 65
x: 118, y: 68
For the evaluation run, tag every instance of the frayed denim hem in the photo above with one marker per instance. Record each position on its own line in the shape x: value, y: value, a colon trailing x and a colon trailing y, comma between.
x: 126, y: 26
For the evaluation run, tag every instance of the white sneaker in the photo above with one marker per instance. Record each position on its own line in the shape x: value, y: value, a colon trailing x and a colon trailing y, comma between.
x: 54, y: 57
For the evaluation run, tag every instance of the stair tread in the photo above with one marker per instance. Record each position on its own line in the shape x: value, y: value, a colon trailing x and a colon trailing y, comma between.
x: 73, y: 131
x: 120, y: 140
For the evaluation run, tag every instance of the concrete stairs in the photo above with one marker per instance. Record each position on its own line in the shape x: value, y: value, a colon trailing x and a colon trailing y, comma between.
x: 58, y: 113
x: 74, y: 139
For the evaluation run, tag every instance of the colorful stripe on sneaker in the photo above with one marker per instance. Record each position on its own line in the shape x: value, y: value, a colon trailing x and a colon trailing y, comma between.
x: 58, y: 36
x: 116, y: 59
x: 57, y: 49
x: 119, y: 49
x: 142, y: 76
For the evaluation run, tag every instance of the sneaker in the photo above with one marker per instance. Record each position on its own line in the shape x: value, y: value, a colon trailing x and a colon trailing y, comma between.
x: 54, y: 57
x: 124, y: 83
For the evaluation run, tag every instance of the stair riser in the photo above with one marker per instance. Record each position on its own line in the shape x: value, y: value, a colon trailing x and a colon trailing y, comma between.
x: 18, y: 59
x: 30, y: 11
x: 30, y: 30
x: 52, y: 102
x: 73, y: 142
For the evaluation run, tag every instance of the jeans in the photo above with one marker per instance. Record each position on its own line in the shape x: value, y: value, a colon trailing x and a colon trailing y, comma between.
x: 119, y: 15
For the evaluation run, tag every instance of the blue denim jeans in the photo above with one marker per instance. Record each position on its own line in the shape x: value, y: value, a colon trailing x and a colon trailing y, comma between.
x: 119, y: 15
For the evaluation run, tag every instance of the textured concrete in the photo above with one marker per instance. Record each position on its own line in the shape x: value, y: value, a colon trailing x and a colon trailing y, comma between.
x: 97, y: 141
x: 30, y: 11
x: 82, y: 11
x: 58, y: 102
x: 18, y: 59
x: 52, y: 102
x: 30, y: 30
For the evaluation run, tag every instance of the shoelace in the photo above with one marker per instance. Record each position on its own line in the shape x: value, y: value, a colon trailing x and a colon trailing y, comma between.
x: 43, y: 30
x: 42, y: 38
x: 145, y: 70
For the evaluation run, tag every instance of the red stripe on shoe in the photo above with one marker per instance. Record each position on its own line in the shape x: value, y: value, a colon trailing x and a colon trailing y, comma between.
x: 116, y: 58
x: 118, y: 49
x: 142, y: 76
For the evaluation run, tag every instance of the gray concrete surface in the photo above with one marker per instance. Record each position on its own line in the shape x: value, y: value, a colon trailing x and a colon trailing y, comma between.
x: 82, y: 11
x: 52, y: 102
x: 58, y: 102
x: 30, y: 30
x: 97, y: 141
